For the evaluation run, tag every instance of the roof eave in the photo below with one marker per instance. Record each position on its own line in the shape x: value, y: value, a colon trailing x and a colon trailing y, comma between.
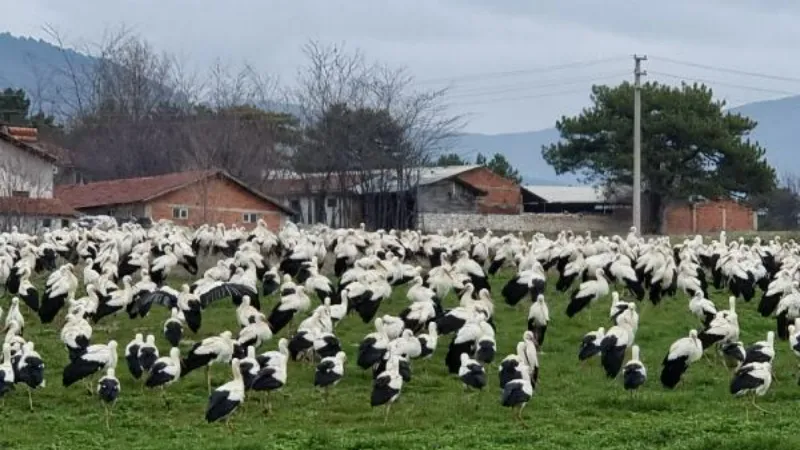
x: 225, y: 175
x: 28, y: 148
x: 274, y: 201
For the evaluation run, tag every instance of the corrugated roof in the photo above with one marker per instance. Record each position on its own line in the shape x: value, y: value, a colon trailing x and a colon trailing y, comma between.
x: 288, y: 183
x: 431, y: 175
x: 419, y: 176
x: 136, y: 190
x: 568, y: 194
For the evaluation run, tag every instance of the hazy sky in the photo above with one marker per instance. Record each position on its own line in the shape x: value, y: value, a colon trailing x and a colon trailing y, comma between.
x: 493, y: 53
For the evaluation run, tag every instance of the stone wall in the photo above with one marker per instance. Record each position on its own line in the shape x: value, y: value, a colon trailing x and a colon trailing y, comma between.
x: 527, y: 223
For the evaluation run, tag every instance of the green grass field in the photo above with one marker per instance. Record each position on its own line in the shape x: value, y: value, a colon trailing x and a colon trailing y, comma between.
x: 574, y: 407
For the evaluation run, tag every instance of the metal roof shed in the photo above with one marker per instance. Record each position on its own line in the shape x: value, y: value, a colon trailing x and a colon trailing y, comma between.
x: 570, y: 199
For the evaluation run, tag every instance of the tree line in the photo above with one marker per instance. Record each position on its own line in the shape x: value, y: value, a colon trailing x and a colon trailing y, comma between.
x: 351, y: 122
x: 345, y: 121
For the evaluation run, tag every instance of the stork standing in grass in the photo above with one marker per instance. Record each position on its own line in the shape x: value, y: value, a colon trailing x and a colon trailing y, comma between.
x: 97, y: 357
x: 29, y: 369
x: 682, y: 353
x: 634, y: 374
x: 754, y: 379
x: 108, y: 389
x: 329, y: 372
x: 588, y: 292
x: 387, y: 386
x: 165, y: 371
x: 517, y: 393
x: 538, y: 318
x: 209, y: 351
x: 226, y: 399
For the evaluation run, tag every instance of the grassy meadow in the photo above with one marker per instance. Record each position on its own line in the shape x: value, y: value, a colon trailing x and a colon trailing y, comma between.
x: 574, y: 407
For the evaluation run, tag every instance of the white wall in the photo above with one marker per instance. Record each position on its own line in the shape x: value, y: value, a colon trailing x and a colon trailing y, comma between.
x: 22, y: 171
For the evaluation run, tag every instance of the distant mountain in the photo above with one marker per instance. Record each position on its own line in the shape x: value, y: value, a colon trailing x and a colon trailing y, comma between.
x: 36, y: 65
x: 776, y: 131
x: 523, y: 150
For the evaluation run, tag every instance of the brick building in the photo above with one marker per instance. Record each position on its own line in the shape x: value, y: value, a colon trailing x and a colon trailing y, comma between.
x: 710, y: 216
x: 187, y: 198
x: 502, y: 196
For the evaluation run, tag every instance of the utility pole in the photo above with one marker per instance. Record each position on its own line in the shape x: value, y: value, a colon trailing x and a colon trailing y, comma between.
x: 637, y: 141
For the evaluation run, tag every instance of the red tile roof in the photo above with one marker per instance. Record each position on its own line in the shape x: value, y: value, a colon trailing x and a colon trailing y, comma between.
x: 35, y: 207
x: 138, y: 190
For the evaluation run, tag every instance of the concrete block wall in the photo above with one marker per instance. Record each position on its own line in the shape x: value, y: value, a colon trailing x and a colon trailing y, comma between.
x: 527, y: 223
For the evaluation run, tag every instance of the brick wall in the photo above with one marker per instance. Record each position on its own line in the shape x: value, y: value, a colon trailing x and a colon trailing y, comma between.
x: 709, y: 217
x: 503, y: 195
x: 225, y: 202
x: 527, y: 223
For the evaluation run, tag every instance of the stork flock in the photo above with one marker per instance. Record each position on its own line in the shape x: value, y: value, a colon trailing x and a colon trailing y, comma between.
x: 322, y: 278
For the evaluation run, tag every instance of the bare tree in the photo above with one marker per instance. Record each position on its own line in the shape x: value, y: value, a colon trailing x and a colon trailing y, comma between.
x: 369, y: 131
x: 362, y: 131
x: 134, y: 111
x: 230, y: 129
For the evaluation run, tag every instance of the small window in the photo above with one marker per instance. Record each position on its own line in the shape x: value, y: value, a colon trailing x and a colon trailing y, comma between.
x: 295, y: 205
x: 180, y: 212
x: 47, y: 223
x: 20, y: 193
x: 250, y: 217
x: 331, y: 203
x: 64, y: 223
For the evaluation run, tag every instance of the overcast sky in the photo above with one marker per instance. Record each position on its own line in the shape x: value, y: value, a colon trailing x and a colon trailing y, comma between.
x: 493, y: 53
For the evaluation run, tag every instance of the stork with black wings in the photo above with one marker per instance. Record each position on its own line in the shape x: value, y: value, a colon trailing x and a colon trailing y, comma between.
x: 163, y: 265
x: 216, y: 290
x: 270, y: 281
x: 133, y: 263
x: 142, y: 288
x: 294, y: 262
x: 188, y: 302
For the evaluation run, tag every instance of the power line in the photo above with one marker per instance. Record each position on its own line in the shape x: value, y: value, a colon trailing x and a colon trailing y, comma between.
x: 729, y: 70
x: 547, y: 83
x: 722, y: 83
x: 522, y: 97
x: 525, y: 97
x: 487, y: 75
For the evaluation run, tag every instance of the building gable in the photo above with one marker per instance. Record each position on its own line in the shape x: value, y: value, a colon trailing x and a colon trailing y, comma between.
x: 24, y: 173
x: 215, y: 200
x: 501, y: 194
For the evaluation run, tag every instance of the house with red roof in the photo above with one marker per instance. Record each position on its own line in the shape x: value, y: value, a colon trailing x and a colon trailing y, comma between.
x: 187, y: 198
x: 27, y: 169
